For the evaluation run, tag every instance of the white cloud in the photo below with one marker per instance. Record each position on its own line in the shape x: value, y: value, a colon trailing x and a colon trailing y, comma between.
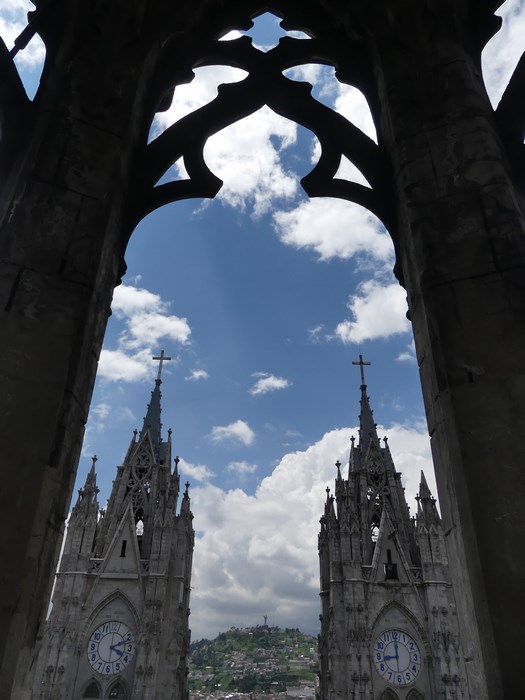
x: 13, y: 20
x: 241, y: 468
x: 502, y: 53
x: 334, y: 228
x: 197, y: 472
x: 196, y: 374
x: 351, y: 103
x: 239, y: 431
x: 259, y: 553
x: 146, y: 321
x: 194, y: 95
x: 379, y: 311
x: 267, y: 383
x: 101, y: 411
x: 149, y: 328
x: 409, y: 355
x: 129, y: 300
x: 315, y: 334
x: 117, y: 365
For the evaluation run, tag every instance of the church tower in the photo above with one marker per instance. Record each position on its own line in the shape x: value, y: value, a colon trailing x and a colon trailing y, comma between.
x: 118, y: 627
x: 389, y: 628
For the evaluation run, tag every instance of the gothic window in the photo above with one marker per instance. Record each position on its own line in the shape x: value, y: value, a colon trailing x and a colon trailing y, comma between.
x: 390, y: 567
x: 414, y: 695
x: 117, y: 692
x: 92, y: 691
x: 376, y: 473
x: 137, y: 501
x: 389, y: 695
x: 142, y: 466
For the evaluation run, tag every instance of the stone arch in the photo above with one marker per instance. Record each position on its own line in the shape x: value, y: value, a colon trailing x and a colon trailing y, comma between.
x: 408, y: 614
x: 115, y: 595
x: 414, y: 695
x: 444, y: 374
x: 92, y: 690
x: 117, y: 691
x: 265, y: 85
x: 389, y: 695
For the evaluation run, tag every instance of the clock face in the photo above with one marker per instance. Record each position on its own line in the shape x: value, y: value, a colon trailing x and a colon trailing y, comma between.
x: 111, y: 648
x: 397, y: 657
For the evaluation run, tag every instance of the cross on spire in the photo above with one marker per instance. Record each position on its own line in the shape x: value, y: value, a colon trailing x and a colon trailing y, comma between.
x: 361, y: 364
x: 161, y: 359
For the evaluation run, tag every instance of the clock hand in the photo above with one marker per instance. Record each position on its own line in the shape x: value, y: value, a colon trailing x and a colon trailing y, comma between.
x: 117, y: 651
x: 397, y: 655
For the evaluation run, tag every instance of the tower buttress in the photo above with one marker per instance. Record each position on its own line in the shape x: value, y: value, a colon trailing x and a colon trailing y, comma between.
x: 388, y: 619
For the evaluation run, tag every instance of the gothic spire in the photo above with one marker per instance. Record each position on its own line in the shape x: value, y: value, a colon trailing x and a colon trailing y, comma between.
x: 152, y: 419
x: 88, y: 494
x: 426, y: 505
x: 367, y: 426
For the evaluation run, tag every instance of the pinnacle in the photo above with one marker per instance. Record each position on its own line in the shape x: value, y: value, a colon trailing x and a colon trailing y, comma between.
x: 424, y: 491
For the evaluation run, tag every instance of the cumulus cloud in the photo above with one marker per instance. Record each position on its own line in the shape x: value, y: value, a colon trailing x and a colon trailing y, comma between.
x: 241, y: 468
x: 409, y: 355
x: 504, y: 50
x: 239, y: 431
x: 334, y: 228
x: 196, y: 374
x: 259, y: 553
x: 13, y: 20
x: 352, y: 104
x: 268, y: 383
x: 196, y: 472
x: 378, y: 311
x: 146, y: 320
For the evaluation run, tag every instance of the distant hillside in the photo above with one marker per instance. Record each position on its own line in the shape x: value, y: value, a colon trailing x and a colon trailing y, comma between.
x: 253, y: 659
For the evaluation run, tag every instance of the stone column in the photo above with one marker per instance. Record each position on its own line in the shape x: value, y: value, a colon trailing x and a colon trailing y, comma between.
x: 462, y: 243
x: 61, y: 223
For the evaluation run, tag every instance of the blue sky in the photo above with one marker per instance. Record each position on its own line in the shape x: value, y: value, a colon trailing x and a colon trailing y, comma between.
x: 263, y: 299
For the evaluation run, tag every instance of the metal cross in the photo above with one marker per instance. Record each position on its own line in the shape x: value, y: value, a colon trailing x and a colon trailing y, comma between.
x: 361, y: 364
x: 161, y: 359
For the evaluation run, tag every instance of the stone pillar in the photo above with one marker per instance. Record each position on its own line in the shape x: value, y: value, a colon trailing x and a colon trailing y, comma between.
x: 61, y: 223
x: 462, y: 243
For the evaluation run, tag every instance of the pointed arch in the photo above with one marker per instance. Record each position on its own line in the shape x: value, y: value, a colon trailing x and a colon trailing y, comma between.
x: 186, y: 138
x: 389, y: 695
x: 412, y: 619
x: 117, y: 691
x: 92, y: 690
x: 415, y: 695
x: 114, y: 595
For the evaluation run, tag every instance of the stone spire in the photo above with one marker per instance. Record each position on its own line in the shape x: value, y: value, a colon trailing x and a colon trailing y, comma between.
x: 152, y: 420
x: 427, y: 512
x: 82, y: 524
x: 367, y: 426
x: 87, y: 496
